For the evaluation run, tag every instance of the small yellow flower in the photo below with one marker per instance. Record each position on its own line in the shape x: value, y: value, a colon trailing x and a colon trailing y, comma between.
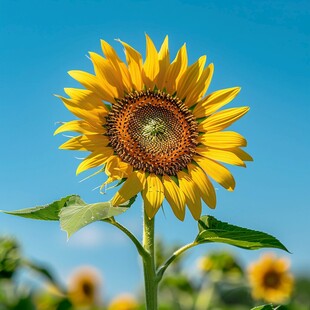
x: 220, y: 263
x: 151, y: 124
x: 205, y: 264
x: 270, y: 279
x: 84, y: 286
x: 124, y: 302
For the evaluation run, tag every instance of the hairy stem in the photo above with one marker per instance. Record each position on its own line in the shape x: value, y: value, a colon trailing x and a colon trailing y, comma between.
x: 150, y: 278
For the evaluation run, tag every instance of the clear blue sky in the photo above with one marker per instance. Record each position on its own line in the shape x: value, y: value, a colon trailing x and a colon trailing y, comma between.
x: 262, y: 46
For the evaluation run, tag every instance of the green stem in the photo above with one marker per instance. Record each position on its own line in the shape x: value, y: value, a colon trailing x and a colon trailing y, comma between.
x: 136, y: 242
x: 150, y: 278
x: 163, y: 268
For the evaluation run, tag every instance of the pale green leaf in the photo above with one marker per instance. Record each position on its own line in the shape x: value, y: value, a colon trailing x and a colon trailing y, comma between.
x: 79, y: 214
x: 47, y: 212
x: 212, y: 230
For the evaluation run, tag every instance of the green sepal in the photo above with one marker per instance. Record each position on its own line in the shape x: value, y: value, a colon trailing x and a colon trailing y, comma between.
x: 212, y: 230
x: 49, y: 212
x: 79, y: 214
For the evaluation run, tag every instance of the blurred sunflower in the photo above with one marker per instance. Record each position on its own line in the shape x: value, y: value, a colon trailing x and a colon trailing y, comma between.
x: 84, y: 287
x: 150, y: 125
x: 124, y: 302
x: 270, y: 279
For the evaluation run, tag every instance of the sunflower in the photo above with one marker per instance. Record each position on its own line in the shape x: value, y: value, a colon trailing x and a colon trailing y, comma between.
x: 124, y: 302
x: 270, y: 279
x: 149, y: 125
x: 84, y: 286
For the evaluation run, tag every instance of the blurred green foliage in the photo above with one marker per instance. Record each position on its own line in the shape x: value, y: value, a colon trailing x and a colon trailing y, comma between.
x: 217, y: 281
x: 9, y: 257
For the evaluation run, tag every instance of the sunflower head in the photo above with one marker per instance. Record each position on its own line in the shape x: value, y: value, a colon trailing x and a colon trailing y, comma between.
x: 124, y: 302
x: 270, y: 279
x: 84, y: 287
x: 150, y: 124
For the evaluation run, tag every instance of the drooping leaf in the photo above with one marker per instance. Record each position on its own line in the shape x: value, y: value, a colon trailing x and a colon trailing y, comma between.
x: 78, y: 214
x: 49, y: 212
x: 212, y: 230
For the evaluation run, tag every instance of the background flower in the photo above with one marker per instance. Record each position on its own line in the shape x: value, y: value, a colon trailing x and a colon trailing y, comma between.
x: 270, y: 279
x: 84, y: 287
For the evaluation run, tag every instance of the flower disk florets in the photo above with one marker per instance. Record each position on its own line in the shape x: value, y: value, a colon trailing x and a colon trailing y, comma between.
x: 153, y: 132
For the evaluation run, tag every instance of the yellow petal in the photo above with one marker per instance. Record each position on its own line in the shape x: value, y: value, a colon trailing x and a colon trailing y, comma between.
x: 151, y: 64
x: 96, y: 118
x: 117, y: 169
x: 86, y: 143
x: 95, y: 159
x: 205, y: 186
x: 109, y: 77
x: 164, y: 62
x: 222, y: 119
x: 119, y: 66
x: 191, y: 192
x: 93, y: 83
x: 217, y: 172
x: 175, y: 70
x: 175, y: 197
x: 243, y: 155
x: 200, y: 87
x: 215, y: 101
x: 132, y: 186
x: 134, y: 61
x: 153, y: 195
x: 225, y: 156
x: 190, y: 78
x: 86, y: 105
x: 79, y: 126
x: 222, y: 139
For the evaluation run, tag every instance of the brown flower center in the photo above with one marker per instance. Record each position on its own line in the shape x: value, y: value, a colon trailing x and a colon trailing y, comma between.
x: 152, y: 131
x: 272, y: 279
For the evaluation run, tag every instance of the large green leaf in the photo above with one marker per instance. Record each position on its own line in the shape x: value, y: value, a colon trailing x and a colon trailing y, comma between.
x: 79, y: 214
x: 212, y: 230
x: 47, y: 212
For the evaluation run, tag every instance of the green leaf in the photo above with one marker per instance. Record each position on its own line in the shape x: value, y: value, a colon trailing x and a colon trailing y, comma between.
x: 212, y: 230
x: 47, y: 212
x: 79, y: 214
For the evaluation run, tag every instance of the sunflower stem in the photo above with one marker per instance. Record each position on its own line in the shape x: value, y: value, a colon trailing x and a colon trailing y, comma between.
x: 178, y: 252
x: 135, y: 241
x: 150, y: 277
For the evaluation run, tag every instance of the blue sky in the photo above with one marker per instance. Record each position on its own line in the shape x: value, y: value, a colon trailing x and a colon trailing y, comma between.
x: 262, y: 46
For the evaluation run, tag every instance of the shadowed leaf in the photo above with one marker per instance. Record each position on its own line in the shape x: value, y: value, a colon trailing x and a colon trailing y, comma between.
x: 49, y: 212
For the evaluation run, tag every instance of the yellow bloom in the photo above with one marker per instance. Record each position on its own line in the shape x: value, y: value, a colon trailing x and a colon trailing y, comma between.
x: 150, y: 124
x: 124, y: 302
x: 84, y: 286
x: 270, y: 279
